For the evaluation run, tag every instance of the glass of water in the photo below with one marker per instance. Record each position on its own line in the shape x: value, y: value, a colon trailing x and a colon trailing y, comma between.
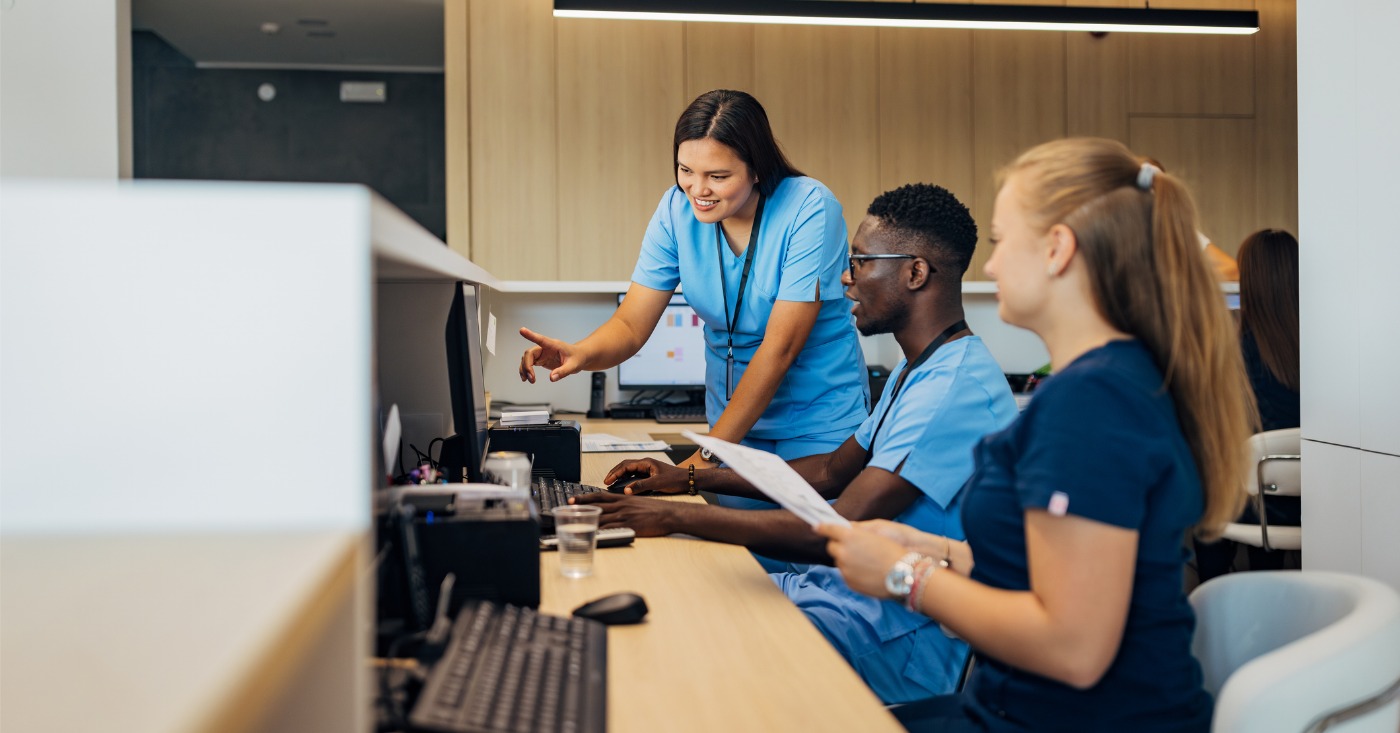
x: 577, y: 528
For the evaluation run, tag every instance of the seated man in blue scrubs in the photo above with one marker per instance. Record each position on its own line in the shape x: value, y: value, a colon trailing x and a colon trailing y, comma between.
x: 906, y: 462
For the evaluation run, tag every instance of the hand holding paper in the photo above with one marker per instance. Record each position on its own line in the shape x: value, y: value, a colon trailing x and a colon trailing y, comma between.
x: 774, y: 477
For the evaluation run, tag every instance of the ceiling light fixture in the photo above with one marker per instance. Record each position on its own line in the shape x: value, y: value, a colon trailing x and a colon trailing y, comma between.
x: 919, y: 15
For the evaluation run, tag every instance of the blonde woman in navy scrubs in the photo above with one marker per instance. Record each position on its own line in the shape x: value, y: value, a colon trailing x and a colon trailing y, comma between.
x: 759, y: 249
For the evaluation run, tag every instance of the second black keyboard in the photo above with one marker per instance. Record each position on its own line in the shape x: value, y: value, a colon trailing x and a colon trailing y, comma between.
x: 509, y: 669
x: 680, y: 413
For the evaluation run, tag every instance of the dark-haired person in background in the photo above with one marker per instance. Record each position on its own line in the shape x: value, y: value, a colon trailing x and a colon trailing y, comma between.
x: 1269, y: 324
x: 759, y: 249
x: 1269, y: 340
x: 906, y: 462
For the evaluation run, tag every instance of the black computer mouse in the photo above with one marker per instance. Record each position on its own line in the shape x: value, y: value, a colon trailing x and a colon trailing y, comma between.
x: 627, y: 479
x: 618, y: 608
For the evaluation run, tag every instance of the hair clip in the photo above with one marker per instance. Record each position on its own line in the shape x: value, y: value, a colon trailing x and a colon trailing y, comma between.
x: 1145, y: 175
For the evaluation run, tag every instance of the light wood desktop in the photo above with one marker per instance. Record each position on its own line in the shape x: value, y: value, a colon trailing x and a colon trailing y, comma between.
x: 222, y: 632
x: 722, y: 647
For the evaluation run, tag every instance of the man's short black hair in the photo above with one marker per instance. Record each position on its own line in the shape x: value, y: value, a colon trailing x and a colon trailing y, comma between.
x: 932, y: 218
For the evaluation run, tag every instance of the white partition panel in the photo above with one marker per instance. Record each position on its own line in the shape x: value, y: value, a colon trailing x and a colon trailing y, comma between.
x: 1348, y: 153
x: 1329, y: 249
x: 65, y: 89
x: 1380, y: 512
x: 1331, y: 507
x: 185, y: 356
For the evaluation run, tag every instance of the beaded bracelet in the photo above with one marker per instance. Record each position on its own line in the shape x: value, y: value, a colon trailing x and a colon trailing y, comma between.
x: 690, y: 482
x: 922, y: 569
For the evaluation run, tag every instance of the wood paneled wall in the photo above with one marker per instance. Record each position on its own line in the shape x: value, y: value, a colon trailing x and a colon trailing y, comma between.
x: 559, y: 131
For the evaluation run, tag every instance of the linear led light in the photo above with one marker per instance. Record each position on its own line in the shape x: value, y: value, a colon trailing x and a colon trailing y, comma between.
x: 919, y: 15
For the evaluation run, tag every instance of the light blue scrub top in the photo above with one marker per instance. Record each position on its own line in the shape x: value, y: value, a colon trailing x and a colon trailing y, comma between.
x: 801, y: 243
x: 943, y: 410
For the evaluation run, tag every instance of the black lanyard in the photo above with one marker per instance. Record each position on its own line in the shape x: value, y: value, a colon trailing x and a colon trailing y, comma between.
x: 729, y: 322
x: 938, y: 341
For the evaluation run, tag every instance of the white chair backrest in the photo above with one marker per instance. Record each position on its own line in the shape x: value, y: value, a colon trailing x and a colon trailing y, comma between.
x: 1268, y: 468
x: 1282, y: 650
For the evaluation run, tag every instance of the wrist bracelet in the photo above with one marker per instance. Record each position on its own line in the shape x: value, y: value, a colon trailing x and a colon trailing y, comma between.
x: 922, y: 570
x: 690, y: 482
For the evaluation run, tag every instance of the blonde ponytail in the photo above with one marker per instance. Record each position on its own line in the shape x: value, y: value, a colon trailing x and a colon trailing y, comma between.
x: 1136, y: 229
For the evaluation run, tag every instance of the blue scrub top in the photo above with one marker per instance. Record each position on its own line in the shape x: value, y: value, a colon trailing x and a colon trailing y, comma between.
x: 1099, y: 440
x: 801, y: 247
x: 943, y: 409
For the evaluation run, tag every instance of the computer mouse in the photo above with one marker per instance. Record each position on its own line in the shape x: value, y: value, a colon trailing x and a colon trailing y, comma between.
x: 618, y: 608
x: 626, y: 479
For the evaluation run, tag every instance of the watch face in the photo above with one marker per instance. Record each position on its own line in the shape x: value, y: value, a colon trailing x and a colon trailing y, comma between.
x: 901, y: 577
x: 899, y: 580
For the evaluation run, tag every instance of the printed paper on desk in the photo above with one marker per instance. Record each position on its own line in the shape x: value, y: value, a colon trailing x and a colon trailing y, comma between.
x: 774, y: 477
x: 605, y: 443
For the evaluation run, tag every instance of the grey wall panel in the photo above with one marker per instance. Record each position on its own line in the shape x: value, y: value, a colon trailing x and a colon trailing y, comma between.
x: 193, y: 123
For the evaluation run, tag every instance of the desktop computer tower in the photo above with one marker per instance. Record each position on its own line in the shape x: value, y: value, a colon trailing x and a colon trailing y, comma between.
x: 491, y: 547
x: 495, y: 557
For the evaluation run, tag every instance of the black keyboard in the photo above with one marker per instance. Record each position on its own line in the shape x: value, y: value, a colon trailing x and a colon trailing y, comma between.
x: 551, y: 492
x: 511, y: 669
x: 680, y: 413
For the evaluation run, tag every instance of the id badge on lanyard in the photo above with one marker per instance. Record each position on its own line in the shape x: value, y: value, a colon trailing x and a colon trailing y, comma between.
x: 729, y: 376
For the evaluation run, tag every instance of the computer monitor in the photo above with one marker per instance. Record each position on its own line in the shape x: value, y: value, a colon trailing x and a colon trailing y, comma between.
x: 462, y: 453
x: 673, y: 358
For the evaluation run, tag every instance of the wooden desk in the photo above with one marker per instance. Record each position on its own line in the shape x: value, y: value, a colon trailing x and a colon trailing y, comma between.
x: 172, y: 633
x: 722, y: 648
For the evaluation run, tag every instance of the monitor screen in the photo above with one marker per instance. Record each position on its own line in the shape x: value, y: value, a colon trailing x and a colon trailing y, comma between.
x: 1232, y: 301
x: 674, y: 356
x: 462, y: 453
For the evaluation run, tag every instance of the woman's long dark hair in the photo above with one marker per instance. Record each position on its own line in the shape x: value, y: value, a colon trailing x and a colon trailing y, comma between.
x: 1269, y: 300
x: 738, y: 121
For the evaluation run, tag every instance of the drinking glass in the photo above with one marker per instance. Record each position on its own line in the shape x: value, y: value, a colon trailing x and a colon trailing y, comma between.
x: 577, y: 528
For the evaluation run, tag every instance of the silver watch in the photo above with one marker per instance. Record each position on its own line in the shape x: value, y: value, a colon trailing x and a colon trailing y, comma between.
x: 707, y: 456
x: 901, y: 577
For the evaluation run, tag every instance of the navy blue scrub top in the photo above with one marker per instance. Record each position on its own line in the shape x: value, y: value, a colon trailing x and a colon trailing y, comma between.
x: 1100, y: 440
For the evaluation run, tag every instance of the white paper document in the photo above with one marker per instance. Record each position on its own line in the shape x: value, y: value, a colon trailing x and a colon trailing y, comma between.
x: 604, y: 443
x: 527, y: 417
x: 774, y: 477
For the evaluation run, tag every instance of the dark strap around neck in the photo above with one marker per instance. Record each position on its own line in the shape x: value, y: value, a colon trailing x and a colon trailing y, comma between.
x: 933, y: 345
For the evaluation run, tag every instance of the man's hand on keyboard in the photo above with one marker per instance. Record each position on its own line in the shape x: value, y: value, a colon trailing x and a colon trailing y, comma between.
x: 646, y: 517
x: 664, y: 478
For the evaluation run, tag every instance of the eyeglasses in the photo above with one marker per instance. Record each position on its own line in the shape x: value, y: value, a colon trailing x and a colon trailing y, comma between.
x: 885, y: 256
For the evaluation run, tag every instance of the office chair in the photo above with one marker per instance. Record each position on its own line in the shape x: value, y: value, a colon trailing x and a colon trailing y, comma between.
x: 1277, y: 470
x: 1299, y: 651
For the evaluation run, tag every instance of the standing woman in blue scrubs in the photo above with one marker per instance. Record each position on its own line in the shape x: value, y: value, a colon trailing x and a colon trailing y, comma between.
x: 759, y: 249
